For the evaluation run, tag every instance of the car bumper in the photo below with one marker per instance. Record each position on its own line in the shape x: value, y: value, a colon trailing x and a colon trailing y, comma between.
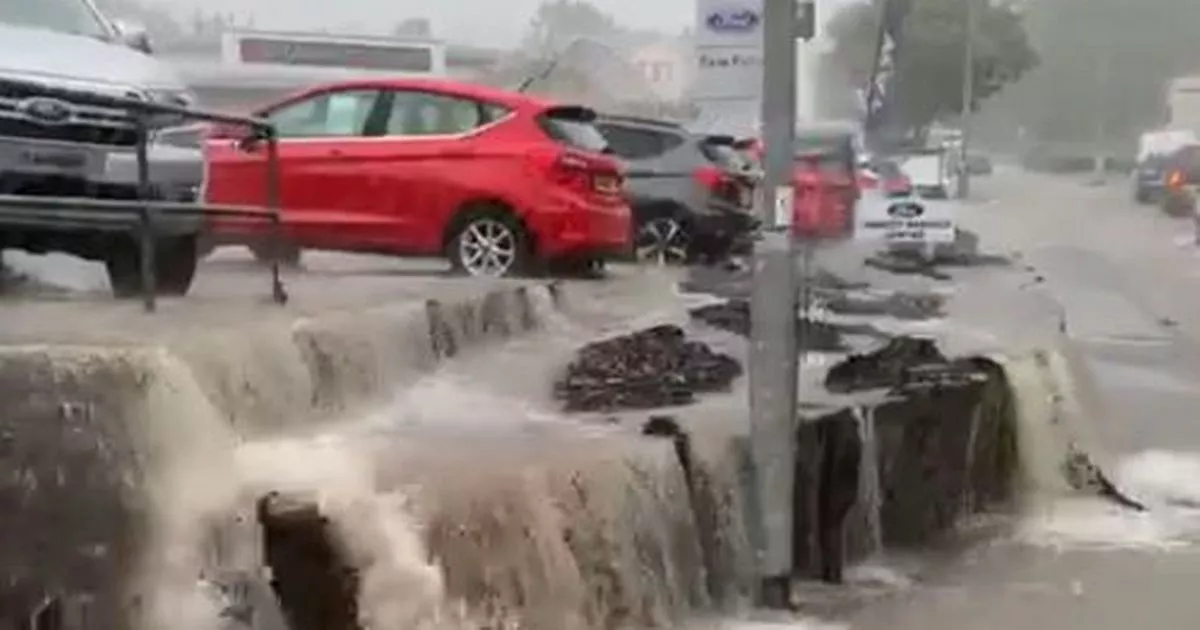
x: 31, y: 169
x: 576, y: 228
x: 174, y: 172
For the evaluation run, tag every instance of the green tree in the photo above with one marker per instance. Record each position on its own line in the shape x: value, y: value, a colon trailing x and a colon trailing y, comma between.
x: 557, y: 22
x: 929, y: 80
x: 1105, y: 66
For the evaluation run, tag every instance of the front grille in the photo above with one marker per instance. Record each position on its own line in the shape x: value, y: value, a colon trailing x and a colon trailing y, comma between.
x: 80, y: 133
x: 92, y: 120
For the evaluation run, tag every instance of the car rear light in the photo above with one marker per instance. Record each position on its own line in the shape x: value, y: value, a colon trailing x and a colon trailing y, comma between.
x: 724, y: 186
x: 1175, y: 180
x: 586, y: 175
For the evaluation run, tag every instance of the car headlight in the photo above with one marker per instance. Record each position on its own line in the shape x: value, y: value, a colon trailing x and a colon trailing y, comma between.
x: 176, y: 97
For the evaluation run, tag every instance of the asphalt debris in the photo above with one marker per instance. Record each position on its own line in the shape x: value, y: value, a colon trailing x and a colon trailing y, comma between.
x: 903, y: 363
x: 734, y: 316
x: 648, y: 369
x: 908, y: 306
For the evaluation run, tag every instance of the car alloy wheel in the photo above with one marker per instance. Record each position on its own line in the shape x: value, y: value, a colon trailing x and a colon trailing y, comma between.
x: 663, y: 241
x: 488, y: 247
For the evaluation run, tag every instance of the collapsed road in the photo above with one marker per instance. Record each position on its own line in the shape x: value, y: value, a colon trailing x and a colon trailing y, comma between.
x: 396, y: 453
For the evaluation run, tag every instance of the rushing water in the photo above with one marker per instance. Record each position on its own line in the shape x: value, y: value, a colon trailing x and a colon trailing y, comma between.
x: 870, y: 499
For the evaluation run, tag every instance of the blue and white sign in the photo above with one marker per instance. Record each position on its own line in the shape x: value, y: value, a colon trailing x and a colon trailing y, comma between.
x: 729, y: 23
x: 903, y: 220
x: 727, y: 79
x: 734, y: 21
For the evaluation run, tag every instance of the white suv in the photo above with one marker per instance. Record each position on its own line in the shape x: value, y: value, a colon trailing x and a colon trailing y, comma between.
x: 52, y: 146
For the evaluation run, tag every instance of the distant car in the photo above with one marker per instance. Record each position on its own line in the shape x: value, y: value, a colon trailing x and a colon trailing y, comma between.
x: 1149, y: 172
x: 496, y: 181
x: 979, y: 164
x: 692, y: 194
x: 929, y: 171
x: 883, y: 174
x: 1181, y: 181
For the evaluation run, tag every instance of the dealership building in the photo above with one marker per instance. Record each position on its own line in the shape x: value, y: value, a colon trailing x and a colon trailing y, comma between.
x: 250, y: 67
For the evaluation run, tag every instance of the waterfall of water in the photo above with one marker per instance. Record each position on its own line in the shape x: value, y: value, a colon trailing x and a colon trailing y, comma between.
x: 870, y: 498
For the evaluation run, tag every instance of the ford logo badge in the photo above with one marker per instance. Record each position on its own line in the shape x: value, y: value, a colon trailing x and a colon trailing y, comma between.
x: 906, y: 210
x: 732, y: 21
x: 46, y: 110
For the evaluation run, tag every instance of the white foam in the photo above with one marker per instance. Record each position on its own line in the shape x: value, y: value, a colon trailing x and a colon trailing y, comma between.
x: 1168, y: 483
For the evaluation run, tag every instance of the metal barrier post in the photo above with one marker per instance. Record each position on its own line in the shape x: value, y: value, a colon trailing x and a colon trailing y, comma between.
x: 278, y: 293
x: 146, y: 245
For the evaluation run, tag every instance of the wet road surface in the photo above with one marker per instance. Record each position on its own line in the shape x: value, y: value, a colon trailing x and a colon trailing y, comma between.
x: 1127, y: 279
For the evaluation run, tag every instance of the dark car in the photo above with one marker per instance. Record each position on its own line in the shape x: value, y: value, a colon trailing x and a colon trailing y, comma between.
x: 1181, y: 180
x: 691, y: 193
x: 978, y: 164
x: 1149, y: 178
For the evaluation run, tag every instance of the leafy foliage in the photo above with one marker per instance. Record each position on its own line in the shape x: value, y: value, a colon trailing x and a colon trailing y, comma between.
x: 1105, y: 65
x: 929, y: 83
x: 557, y: 22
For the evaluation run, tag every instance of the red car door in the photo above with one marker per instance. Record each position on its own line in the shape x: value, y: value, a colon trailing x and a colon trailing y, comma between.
x: 431, y: 146
x: 328, y: 190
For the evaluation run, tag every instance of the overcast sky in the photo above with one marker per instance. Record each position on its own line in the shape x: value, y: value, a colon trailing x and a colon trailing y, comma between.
x: 483, y: 22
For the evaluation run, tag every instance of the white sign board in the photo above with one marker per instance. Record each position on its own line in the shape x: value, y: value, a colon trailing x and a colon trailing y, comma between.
x: 908, y: 219
x: 728, y: 59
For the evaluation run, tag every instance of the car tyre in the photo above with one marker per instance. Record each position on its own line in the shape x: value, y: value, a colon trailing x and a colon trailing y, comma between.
x: 490, y: 243
x: 175, y: 261
x: 662, y: 239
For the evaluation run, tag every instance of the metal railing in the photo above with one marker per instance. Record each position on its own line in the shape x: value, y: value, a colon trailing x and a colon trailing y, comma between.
x: 141, y: 216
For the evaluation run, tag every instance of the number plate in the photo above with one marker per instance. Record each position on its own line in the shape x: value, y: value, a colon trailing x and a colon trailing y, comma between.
x: 53, y: 161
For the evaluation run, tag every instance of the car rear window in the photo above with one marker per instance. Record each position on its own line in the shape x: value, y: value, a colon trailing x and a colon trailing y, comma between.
x: 720, y: 150
x: 573, y: 127
x: 637, y: 143
x: 1187, y: 160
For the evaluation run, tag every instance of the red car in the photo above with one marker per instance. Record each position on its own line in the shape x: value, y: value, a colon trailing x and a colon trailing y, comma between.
x: 495, y: 181
x: 827, y: 190
x: 884, y: 174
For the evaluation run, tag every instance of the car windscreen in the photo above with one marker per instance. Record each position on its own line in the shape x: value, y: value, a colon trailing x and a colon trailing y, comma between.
x: 573, y: 127
x: 65, y: 16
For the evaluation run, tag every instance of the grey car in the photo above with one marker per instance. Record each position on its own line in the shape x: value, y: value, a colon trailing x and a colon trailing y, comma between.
x: 52, y: 145
x: 691, y: 194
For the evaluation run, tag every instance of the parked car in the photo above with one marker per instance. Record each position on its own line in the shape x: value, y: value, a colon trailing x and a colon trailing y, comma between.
x: 929, y: 171
x: 692, y: 194
x: 826, y: 193
x: 978, y: 164
x: 496, y: 181
x: 1181, y: 181
x: 53, y: 145
x: 883, y: 174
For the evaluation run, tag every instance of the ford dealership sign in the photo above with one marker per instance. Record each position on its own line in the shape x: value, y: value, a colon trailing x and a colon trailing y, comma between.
x: 733, y: 20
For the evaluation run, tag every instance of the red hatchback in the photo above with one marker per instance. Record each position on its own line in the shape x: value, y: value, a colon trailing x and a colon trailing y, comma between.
x: 493, y: 180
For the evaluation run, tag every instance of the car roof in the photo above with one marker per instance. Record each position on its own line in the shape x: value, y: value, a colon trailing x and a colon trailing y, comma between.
x: 449, y: 87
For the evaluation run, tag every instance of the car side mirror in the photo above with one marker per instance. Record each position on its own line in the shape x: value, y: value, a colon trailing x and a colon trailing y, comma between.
x: 134, y: 35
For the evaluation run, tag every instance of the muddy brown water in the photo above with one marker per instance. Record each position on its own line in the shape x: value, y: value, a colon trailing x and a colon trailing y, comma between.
x: 468, y: 500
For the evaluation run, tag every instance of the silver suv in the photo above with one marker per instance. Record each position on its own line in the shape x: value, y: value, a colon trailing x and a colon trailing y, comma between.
x: 691, y: 194
x: 52, y: 146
